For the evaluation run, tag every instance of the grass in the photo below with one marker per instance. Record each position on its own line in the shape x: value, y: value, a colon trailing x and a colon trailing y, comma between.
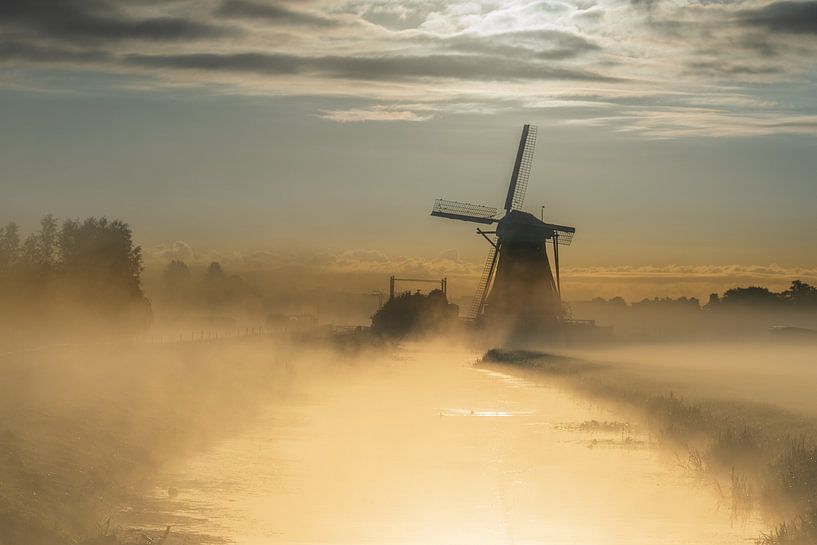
x: 769, y: 456
x: 799, y: 531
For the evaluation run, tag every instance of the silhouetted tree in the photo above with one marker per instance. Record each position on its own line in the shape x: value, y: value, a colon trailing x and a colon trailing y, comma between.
x: 103, y: 267
x: 218, y: 291
x: 215, y: 272
x: 9, y: 247
x: 411, y: 313
x: 177, y: 283
x: 617, y: 302
x: 39, y: 256
x: 801, y: 295
x: 177, y: 275
x: 753, y: 295
x: 84, y: 275
x: 689, y: 303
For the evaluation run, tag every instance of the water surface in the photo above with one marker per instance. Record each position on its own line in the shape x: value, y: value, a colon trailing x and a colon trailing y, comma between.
x: 427, y: 449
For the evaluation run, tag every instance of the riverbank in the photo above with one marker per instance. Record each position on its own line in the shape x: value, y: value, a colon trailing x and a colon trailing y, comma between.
x: 766, y: 456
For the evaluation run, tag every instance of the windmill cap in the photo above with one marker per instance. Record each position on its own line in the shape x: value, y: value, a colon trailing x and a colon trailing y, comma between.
x: 523, y: 227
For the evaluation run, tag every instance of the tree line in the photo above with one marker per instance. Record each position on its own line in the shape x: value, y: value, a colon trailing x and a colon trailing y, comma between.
x: 214, y: 291
x: 78, y: 275
x: 799, y: 296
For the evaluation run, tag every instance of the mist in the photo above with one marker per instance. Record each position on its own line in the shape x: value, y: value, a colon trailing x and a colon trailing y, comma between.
x: 201, y: 403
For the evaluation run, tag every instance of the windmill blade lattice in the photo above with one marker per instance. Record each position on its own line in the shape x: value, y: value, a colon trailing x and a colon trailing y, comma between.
x: 564, y: 238
x: 484, y: 282
x: 521, y: 170
x: 464, y: 211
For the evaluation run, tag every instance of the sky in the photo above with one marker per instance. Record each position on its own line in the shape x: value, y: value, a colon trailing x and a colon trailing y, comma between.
x: 680, y: 138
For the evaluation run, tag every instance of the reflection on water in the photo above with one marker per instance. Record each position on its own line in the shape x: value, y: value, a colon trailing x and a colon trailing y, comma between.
x: 429, y: 450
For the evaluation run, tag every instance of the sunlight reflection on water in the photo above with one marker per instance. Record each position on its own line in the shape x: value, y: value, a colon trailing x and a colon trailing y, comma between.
x: 472, y: 412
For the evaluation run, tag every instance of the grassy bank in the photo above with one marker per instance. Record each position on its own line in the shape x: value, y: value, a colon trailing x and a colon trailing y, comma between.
x: 767, y: 455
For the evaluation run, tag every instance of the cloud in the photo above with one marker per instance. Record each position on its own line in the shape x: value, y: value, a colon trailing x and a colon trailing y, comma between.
x: 273, y: 12
x: 539, y: 43
x: 179, y: 250
x: 684, y: 121
x: 723, y: 67
x: 24, y: 51
x: 385, y: 68
x: 594, y: 62
x: 376, y: 113
x: 98, y: 20
x: 354, y: 261
x: 785, y: 17
x: 395, y: 15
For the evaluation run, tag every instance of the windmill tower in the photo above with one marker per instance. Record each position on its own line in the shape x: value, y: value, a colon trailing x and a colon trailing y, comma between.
x: 518, y: 283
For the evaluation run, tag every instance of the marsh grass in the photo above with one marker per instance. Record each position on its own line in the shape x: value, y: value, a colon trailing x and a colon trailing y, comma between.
x: 694, y: 462
x: 767, y: 455
x: 799, y: 531
x: 743, y: 499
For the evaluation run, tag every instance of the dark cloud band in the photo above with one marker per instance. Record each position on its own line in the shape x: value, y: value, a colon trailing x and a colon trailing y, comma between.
x: 785, y: 17
x: 467, y: 67
x: 95, y: 20
x: 272, y: 12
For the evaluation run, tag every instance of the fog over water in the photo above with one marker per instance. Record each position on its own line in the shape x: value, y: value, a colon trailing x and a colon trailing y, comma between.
x: 776, y: 373
x: 425, y: 448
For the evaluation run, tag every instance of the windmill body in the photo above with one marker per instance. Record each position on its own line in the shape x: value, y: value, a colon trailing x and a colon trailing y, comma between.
x: 518, y: 284
x: 523, y: 285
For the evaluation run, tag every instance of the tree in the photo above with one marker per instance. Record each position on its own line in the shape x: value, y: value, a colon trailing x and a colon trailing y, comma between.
x: 101, y: 265
x: 714, y: 301
x: 411, y: 313
x: 689, y: 303
x: 751, y: 296
x: 801, y: 295
x: 48, y: 240
x: 39, y: 254
x: 9, y: 246
x: 220, y: 290
x: 80, y: 276
x: 615, y: 302
x: 215, y: 273
x: 177, y: 276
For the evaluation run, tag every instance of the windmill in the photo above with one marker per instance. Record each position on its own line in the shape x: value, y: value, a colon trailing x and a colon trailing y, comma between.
x: 517, y: 281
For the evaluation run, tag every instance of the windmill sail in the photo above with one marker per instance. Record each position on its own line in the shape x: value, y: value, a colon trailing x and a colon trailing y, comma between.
x: 521, y: 169
x: 484, y: 283
x: 562, y: 233
x: 464, y: 211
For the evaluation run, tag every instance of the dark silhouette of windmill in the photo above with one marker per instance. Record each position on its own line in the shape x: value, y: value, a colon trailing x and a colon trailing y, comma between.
x: 517, y: 282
